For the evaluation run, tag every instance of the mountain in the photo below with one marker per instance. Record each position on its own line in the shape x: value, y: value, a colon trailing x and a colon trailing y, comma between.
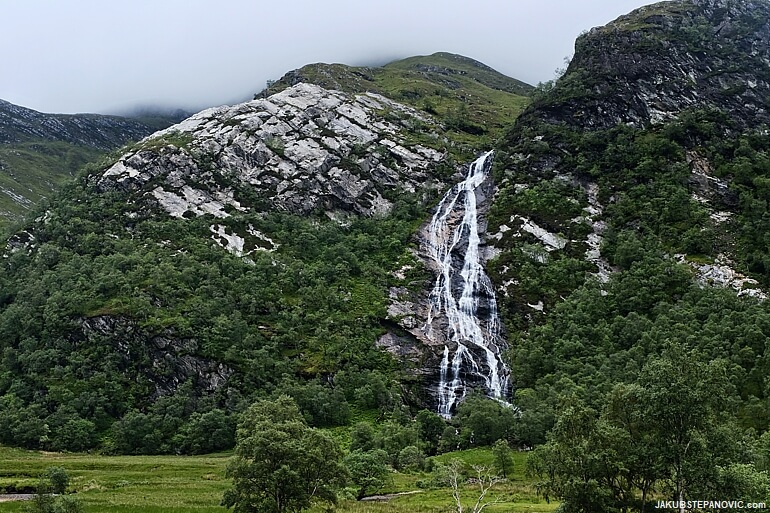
x: 38, y: 152
x: 19, y: 124
x: 631, y: 268
x: 471, y: 98
x: 373, y: 241
x: 247, y: 250
x: 646, y: 134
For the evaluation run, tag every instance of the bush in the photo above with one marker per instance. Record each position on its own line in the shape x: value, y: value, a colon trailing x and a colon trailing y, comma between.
x: 392, y: 438
x: 56, y: 480
x: 207, y: 432
x: 483, y: 421
x: 53, y: 481
x: 410, y: 459
x: 46, y: 503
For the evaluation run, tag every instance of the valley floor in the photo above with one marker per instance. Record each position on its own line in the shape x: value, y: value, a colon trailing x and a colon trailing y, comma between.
x: 195, y: 484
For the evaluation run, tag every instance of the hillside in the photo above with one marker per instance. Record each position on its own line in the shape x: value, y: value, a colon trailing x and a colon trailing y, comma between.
x: 39, y: 152
x: 474, y: 101
x: 394, y: 247
x: 211, y: 249
x: 629, y: 229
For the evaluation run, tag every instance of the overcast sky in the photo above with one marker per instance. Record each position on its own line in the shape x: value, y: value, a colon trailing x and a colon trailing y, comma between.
x: 104, y: 56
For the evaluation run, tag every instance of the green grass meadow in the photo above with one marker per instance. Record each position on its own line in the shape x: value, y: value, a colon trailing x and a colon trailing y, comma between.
x: 194, y: 484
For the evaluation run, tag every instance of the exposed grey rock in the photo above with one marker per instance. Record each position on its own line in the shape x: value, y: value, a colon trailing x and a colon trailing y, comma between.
x: 722, y: 273
x: 303, y: 149
x: 707, y: 187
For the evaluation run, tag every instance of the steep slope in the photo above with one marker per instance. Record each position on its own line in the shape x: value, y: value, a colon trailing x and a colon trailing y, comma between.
x: 631, y: 214
x: 246, y: 251
x: 672, y: 96
x: 630, y: 227
x: 19, y: 124
x: 649, y: 66
x: 38, y: 151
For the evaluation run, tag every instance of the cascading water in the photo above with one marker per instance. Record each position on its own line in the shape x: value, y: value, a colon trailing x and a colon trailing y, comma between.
x: 463, y: 295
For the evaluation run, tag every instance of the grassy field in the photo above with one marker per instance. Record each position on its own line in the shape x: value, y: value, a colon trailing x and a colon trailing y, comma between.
x: 194, y: 484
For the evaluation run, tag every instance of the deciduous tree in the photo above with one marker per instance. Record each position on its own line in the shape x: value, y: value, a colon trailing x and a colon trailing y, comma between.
x: 281, y: 465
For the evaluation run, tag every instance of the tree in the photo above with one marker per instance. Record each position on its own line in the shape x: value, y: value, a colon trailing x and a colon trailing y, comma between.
x: 52, y: 483
x: 483, y: 421
x: 503, y: 457
x: 430, y: 426
x: 410, y: 458
x: 453, y: 475
x: 568, y: 464
x: 207, y: 432
x: 368, y: 470
x: 281, y: 465
x: 362, y: 437
x: 450, y: 440
x: 56, y: 480
x: 669, y: 432
x: 393, y: 437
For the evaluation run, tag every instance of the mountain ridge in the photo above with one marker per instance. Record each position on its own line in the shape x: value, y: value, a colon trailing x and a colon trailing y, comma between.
x: 20, y: 124
x: 468, y: 96
x: 39, y: 152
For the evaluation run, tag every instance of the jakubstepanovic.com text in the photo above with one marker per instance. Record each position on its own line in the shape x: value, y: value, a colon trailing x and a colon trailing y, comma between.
x: 710, y: 505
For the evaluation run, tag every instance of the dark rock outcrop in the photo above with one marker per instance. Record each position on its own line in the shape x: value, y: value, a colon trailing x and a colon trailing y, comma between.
x: 164, y: 359
x: 647, y: 66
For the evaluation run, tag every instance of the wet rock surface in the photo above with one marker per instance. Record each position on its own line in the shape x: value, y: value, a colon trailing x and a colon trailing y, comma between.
x: 454, y: 317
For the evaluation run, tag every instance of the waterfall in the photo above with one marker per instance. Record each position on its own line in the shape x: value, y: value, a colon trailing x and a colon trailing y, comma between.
x: 463, y: 296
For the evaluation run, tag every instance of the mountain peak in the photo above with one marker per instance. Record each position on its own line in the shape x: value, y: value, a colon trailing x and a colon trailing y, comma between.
x: 466, y: 94
x: 649, y: 65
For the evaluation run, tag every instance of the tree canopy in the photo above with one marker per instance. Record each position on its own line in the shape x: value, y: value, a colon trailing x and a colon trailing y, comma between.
x: 281, y: 465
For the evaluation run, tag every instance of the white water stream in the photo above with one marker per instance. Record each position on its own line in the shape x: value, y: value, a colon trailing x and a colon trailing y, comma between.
x: 464, y: 296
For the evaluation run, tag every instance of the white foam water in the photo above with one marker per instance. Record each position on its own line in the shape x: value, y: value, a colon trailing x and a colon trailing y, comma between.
x: 477, y: 339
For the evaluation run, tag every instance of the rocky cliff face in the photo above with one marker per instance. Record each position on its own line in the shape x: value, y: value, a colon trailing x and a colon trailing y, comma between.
x: 303, y: 150
x: 648, y: 66
x: 167, y: 359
